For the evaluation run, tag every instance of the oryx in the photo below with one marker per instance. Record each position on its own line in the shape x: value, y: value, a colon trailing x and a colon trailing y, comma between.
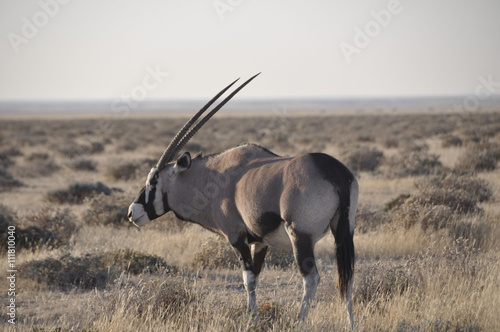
x: 255, y: 199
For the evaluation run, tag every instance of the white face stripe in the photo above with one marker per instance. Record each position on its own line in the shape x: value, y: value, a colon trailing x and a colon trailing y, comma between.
x: 158, y: 202
x: 154, y: 171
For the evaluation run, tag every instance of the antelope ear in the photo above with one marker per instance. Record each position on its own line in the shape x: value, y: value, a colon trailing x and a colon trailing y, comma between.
x: 183, y: 163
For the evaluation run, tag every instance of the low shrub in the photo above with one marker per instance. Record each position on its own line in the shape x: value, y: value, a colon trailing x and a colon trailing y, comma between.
x: 129, y: 170
x: 439, y: 199
x: 479, y: 189
x: 106, y: 210
x: 7, y: 217
x: 390, y: 143
x: 71, y: 149
x: 76, y: 193
x: 428, y: 216
x: 6, y: 154
x: 363, y: 158
x: 37, y: 164
x: 81, y: 164
x: 215, y: 253
x: 451, y: 141
x: 50, y: 229
x: 122, y: 171
x: 279, y: 258
x: 91, y: 271
x: 414, y: 160
x: 477, y: 160
x: 396, y: 202
x: 55, y: 224
x: 7, y: 181
x: 11, y: 152
x: 130, y: 261
x: 479, y: 156
x: 459, y: 201
x: 369, y: 219
x: 127, y: 145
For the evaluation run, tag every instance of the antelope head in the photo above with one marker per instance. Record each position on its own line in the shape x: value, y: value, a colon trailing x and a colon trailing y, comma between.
x: 152, y: 201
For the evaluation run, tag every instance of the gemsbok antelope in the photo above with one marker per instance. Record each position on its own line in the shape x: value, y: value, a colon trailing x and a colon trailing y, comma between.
x: 255, y: 199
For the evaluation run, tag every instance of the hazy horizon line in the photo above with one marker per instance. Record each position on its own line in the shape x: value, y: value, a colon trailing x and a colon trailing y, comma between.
x: 275, y: 104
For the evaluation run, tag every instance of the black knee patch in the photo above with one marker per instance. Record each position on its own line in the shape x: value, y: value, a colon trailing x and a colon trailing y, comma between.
x: 304, y: 254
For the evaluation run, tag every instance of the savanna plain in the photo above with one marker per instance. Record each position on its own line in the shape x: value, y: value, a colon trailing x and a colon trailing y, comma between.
x: 426, y: 238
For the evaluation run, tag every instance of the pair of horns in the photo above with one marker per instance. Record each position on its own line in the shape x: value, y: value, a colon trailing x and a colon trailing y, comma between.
x: 186, y: 132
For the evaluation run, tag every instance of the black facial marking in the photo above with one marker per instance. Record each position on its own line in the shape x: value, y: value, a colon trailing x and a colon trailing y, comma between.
x: 149, y: 208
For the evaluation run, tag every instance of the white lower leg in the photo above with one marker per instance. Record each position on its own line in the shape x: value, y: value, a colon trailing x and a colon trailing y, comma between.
x: 311, y: 282
x: 250, y: 282
x: 348, y: 299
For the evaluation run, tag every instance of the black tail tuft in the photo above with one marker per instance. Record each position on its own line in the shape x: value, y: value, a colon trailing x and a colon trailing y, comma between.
x: 344, y: 251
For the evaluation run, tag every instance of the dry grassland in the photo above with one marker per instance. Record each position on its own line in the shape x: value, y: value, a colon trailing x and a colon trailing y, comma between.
x: 426, y: 234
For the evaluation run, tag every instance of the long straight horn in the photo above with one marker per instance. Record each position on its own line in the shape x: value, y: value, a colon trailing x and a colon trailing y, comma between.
x: 167, y: 154
x: 193, y: 131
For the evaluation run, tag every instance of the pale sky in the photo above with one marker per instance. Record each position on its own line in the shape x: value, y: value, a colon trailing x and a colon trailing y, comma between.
x: 88, y: 49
